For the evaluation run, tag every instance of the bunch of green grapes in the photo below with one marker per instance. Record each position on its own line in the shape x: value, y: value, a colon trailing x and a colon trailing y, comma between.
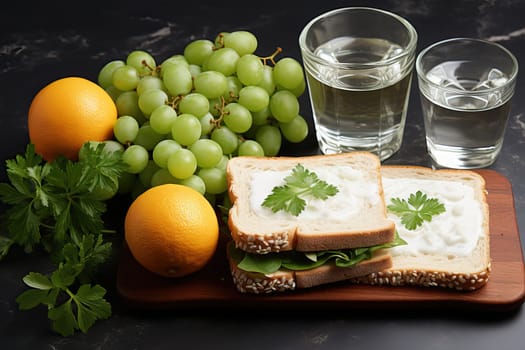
x: 180, y: 121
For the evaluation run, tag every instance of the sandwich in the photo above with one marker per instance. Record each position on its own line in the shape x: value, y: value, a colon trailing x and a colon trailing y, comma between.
x: 301, y: 222
x: 443, y: 216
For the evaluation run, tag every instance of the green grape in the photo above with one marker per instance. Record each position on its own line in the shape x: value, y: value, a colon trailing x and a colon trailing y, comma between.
x: 128, y: 104
x: 195, y: 104
x: 223, y: 61
x: 214, y: 179
x: 150, y: 82
x: 250, y: 69
x: 237, y: 117
x: 175, y: 60
x: 147, y: 137
x: 196, y: 52
x: 126, y: 181
x: 204, y: 67
x: 125, y: 78
x: 267, y: 82
x: 232, y: 91
x: 163, y: 150
x: 223, y: 164
x: 297, y: 91
x: 161, y: 177
x: 194, y: 182
x: 142, y: 61
x: 250, y: 148
x: 105, y: 75
x: 227, y: 139
x: 186, y: 129
x: 113, y: 92
x: 182, y: 164
x: 146, y: 174
x: 162, y: 118
x: 136, y: 157
x: 261, y: 117
x: 284, y: 106
x: 254, y: 98
x: 296, y: 130
x: 270, y: 139
x: 241, y: 41
x: 211, y: 84
x: 150, y: 99
x: 288, y: 73
x: 112, y: 146
x: 177, y: 79
x: 126, y: 129
x: 194, y: 70
x: 207, y: 152
x: 207, y: 123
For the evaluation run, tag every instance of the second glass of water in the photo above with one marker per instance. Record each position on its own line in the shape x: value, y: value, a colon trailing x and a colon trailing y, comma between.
x: 358, y: 63
x: 466, y: 87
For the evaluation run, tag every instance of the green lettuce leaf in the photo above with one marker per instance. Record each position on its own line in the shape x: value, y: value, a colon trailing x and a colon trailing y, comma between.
x: 300, y: 261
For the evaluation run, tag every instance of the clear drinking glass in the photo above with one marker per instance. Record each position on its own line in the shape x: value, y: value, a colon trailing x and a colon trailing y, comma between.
x: 466, y: 87
x: 358, y: 63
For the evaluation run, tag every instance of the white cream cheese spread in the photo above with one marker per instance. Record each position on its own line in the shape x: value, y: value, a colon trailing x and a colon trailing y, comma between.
x: 454, y: 232
x: 355, y: 192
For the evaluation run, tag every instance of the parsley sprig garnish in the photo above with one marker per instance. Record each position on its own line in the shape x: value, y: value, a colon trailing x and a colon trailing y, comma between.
x: 300, y: 184
x: 57, y: 206
x: 417, y: 209
x: 70, y: 311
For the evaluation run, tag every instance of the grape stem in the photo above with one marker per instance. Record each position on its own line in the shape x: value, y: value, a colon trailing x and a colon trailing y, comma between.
x: 271, y: 58
x: 217, y: 122
x: 174, y: 102
x: 152, y: 69
x: 220, y: 41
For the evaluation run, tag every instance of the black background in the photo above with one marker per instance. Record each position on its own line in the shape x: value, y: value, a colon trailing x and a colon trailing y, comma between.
x: 43, y: 41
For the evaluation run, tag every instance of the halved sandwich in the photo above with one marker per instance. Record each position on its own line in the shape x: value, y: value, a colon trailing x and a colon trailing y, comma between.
x: 443, y: 216
x: 299, y: 222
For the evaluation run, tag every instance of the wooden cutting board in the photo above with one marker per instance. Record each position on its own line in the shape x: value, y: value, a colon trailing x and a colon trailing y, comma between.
x: 212, y: 287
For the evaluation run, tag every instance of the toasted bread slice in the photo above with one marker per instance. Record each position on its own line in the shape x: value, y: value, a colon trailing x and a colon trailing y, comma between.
x: 453, y: 249
x: 354, y: 217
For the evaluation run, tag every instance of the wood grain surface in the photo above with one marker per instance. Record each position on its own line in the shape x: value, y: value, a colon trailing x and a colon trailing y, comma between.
x: 212, y: 287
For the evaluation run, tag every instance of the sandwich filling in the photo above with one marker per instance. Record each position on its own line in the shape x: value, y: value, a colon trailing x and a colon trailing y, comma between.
x: 300, y: 261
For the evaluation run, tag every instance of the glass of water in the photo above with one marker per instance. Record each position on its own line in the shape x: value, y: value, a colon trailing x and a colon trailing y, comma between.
x: 466, y: 87
x: 359, y: 63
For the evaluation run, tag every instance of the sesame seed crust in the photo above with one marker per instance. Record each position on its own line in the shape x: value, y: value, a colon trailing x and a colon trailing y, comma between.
x: 261, y: 284
x: 457, y: 281
x: 262, y: 243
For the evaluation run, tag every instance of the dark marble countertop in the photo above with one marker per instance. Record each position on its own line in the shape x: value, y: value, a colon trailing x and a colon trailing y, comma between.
x: 44, y: 41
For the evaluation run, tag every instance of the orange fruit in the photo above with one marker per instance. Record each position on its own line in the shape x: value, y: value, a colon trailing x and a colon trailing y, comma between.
x: 171, y: 230
x: 67, y: 113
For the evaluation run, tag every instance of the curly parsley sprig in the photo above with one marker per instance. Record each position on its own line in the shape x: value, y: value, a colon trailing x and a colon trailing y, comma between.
x: 57, y: 205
